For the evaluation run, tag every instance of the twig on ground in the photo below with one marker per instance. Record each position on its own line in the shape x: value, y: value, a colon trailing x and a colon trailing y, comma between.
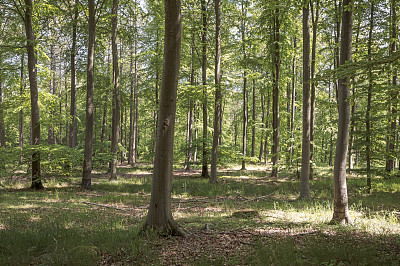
x: 101, y: 205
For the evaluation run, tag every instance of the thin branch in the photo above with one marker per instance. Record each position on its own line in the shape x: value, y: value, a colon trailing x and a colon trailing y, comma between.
x: 101, y: 205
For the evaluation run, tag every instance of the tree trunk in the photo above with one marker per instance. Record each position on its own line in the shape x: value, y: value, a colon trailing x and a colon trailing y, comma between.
x: 87, y: 161
x: 253, y: 124
x: 262, y: 133
x: 245, y: 115
x: 204, y: 171
x: 136, y: 106
x: 116, y: 99
x: 189, y: 131
x: 35, y: 121
x: 73, y: 126
x: 313, y: 57
x: 305, y: 155
x: 393, y: 96
x: 159, y: 216
x: 275, y: 94
x: 293, y: 104
x: 2, y: 131
x: 218, y: 93
x: 21, y: 112
x: 341, y: 210
x: 50, y: 136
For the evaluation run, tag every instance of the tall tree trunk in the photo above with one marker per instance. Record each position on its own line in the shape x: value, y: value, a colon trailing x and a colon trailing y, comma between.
x: 87, y: 161
x: 2, y: 130
x: 73, y: 125
x: 204, y: 171
x: 305, y: 155
x: 262, y: 133
x: 21, y: 112
x: 189, y: 131
x: 369, y: 101
x: 131, y: 106
x: 136, y: 104
x: 275, y: 94
x: 159, y: 216
x: 245, y: 115
x: 35, y: 121
x: 293, y: 104
x: 393, y: 95
x: 338, y: 13
x: 218, y: 93
x: 50, y: 137
x: 116, y: 99
x: 341, y: 210
x: 253, y: 124
x: 313, y: 61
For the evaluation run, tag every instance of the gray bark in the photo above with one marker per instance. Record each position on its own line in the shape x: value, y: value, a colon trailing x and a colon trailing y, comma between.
x: 73, y: 125
x: 341, y: 209
x: 159, y: 216
x: 87, y: 161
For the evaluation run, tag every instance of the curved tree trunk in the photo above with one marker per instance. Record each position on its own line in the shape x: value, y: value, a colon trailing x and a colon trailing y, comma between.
x: 87, y: 160
x: 305, y: 155
x: 218, y: 93
x: 159, y: 216
x: 116, y: 99
x: 341, y: 209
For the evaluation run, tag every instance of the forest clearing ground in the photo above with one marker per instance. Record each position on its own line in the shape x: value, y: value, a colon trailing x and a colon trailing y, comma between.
x: 62, y: 223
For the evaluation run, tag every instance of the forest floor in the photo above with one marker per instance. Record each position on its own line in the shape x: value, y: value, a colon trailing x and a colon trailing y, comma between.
x: 248, y: 218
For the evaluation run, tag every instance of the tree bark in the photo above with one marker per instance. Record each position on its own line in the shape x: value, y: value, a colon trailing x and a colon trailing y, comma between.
x: 393, y: 95
x: 293, y: 104
x: 313, y: 61
x: 305, y: 161
x: 73, y: 126
x: 253, y: 124
x: 218, y: 93
x: 87, y: 161
x: 189, y: 131
x: 21, y: 112
x: 159, y: 216
x: 35, y: 121
x: 116, y: 99
x: 275, y: 94
x: 204, y: 171
x: 341, y: 210
x: 50, y: 136
x: 245, y: 115
x: 2, y: 130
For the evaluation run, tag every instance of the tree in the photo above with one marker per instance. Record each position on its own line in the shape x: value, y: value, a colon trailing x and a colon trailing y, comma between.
x: 87, y: 160
x: 245, y: 114
x: 218, y: 93
x: 116, y: 99
x: 341, y: 210
x: 30, y: 46
x: 204, y: 171
x: 73, y: 125
x: 159, y: 216
x: 2, y: 130
x: 275, y: 92
x: 305, y: 162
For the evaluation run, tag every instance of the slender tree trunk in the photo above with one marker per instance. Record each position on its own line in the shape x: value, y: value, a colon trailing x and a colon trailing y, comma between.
x: 2, y: 130
x: 131, y: 107
x: 21, y: 112
x: 262, y: 133
x: 266, y: 127
x: 204, y: 172
x: 87, y: 161
x: 369, y: 101
x: 341, y: 210
x: 305, y: 155
x: 253, y: 125
x: 293, y: 104
x: 393, y: 95
x: 136, y: 105
x: 50, y: 137
x: 338, y: 9
x: 313, y: 61
x: 218, y: 93
x: 116, y: 99
x: 189, y: 131
x: 35, y: 121
x: 245, y: 114
x: 275, y: 94
x: 104, y: 121
x: 159, y: 216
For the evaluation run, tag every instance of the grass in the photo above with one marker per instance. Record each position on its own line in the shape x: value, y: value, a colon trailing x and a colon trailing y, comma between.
x: 58, y: 226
